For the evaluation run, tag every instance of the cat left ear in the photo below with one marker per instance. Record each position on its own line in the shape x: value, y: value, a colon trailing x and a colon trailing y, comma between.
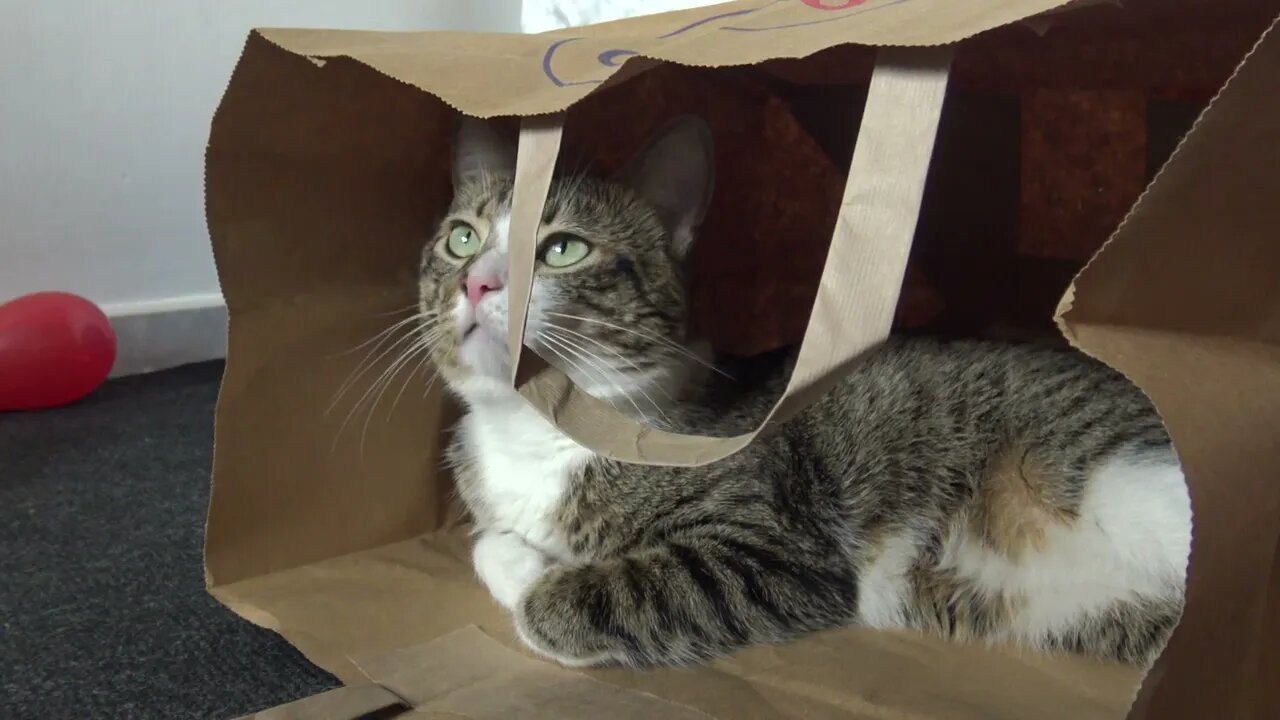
x: 480, y: 147
x: 675, y: 173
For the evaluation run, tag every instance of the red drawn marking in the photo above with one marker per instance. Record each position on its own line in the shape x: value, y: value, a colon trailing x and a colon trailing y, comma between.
x: 820, y: 5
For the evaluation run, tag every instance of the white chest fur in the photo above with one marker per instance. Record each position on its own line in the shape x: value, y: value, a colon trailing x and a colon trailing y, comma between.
x: 523, y: 468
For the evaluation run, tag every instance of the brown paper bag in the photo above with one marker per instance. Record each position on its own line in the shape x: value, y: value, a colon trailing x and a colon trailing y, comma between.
x: 332, y: 522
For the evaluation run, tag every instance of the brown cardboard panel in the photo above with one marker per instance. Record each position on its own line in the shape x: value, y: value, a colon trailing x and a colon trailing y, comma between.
x: 345, y: 611
x: 1199, y: 254
x: 317, y: 216
x: 322, y: 177
x: 1183, y: 300
x: 469, y: 673
x: 1217, y: 397
x: 1268, y: 705
x: 487, y: 75
x: 316, y: 482
x: 363, y: 604
x: 309, y: 167
x: 357, y: 701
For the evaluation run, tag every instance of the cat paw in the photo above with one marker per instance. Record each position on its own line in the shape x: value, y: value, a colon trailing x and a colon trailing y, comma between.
x: 508, y: 566
x: 564, y: 654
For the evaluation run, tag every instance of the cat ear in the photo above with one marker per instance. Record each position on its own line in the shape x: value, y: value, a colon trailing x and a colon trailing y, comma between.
x: 675, y: 172
x: 480, y: 147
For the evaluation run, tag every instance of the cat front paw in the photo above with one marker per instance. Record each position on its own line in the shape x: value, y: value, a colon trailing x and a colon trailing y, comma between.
x: 508, y: 566
x: 560, y: 618
x: 551, y: 641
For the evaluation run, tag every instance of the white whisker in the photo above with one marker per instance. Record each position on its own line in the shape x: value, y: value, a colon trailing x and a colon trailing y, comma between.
x: 370, y: 361
x: 397, y: 311
x: 548, y: 342
x: 376, y: 388
x: 430, y: 384
x: 665, y: 342
x: 382, y: 334
x: 615, y: 353
x: 602, y: 363
x: 424, y: 344
x: 424, y: 361
x: 595, y: 361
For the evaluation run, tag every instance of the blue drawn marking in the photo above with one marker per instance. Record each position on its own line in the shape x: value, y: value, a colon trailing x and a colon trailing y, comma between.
x: 713, y: 18
x: 841, y: 16
x: 608, y: 58
x: 614, y: 57
x: 546, y: 63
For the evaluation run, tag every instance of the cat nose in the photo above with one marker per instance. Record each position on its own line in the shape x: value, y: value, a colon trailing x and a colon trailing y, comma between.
x: 479, y: 285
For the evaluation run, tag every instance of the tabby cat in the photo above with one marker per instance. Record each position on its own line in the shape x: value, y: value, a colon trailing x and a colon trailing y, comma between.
x: 985, y: 492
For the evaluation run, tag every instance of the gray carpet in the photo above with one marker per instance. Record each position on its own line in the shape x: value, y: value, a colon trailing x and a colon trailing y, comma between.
x: 103, y: 611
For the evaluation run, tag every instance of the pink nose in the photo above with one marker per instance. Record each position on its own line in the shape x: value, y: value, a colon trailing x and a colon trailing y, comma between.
x: 478, y: 285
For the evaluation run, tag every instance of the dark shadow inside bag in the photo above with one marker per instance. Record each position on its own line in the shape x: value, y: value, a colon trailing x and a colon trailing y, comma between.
x: 1044, y: 146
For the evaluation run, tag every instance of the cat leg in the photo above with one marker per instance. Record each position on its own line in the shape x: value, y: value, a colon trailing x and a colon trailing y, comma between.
x: 683, y: 602
x: 507, y: 565
x: 1132, y: 632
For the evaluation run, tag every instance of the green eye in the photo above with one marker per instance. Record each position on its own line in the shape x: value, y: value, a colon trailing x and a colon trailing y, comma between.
x: 562, y: 250
x: 462, y: 241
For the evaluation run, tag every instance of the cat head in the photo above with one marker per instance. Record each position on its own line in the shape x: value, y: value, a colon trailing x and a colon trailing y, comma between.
x: 608, y: 304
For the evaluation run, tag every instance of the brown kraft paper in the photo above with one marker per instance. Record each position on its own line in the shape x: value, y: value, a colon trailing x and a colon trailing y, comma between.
x: 324, y: 171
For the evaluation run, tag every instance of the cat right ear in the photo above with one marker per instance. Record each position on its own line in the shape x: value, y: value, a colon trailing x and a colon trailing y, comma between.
x: 481, y: 147
x: 675, y: 173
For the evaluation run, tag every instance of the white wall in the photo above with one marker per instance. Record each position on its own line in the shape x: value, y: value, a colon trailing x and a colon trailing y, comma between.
x: 104, y: 114
x: 542, y: 15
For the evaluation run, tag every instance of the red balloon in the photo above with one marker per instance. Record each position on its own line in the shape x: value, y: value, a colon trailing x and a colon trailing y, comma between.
x: 55, y: 348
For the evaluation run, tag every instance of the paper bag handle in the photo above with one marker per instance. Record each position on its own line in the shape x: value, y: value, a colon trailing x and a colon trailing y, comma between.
x: 857, y: 295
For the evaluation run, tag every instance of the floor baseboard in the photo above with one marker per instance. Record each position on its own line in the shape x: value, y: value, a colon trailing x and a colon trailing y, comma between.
x: 160, y: 334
